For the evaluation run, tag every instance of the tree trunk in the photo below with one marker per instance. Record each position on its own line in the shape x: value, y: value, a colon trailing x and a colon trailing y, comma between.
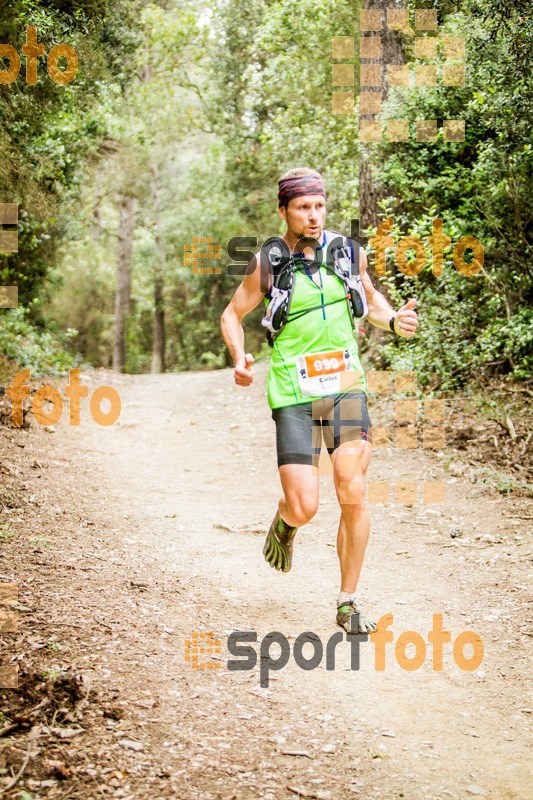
x: 95, y: 216
x: 392, y: 51
x: 158, y: 340
x: 123, y: 295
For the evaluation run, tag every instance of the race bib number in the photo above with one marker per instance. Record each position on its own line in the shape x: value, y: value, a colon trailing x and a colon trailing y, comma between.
x: 320, y: 373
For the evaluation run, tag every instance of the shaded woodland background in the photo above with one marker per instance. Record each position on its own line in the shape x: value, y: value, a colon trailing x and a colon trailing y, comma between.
x: 179, y: 123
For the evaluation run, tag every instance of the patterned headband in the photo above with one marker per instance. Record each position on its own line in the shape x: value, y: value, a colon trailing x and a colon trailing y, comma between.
x: 298, y: 186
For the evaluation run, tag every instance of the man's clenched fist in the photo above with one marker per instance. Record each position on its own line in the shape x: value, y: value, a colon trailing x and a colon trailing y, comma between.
x: 244, y: 371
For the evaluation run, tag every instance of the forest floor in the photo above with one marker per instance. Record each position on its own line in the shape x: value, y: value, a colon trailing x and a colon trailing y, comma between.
x: 126, y: 540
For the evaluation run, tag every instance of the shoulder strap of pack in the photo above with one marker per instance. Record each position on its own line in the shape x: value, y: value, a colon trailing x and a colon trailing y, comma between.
x: 342, y: 252
x: 343, y: 259
x: 340, y: 255
x: 277, y: 258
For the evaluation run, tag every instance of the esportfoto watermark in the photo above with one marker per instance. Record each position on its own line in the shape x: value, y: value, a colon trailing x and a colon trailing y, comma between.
x: 31, y: 51
x: 246, y: 657
x: 17, y: 391
x: 241, y: 251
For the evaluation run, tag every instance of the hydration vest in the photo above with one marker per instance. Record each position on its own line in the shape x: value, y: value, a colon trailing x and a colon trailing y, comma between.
x: 339, y: 259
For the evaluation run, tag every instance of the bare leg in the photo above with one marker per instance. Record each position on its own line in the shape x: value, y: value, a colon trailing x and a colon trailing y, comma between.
x: 300, y: 493
x: 352, y: 539
x: 350, y: 461
x: 297, y: 506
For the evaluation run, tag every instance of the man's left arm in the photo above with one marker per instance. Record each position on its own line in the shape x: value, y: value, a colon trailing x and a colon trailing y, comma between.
x: 380, y: 312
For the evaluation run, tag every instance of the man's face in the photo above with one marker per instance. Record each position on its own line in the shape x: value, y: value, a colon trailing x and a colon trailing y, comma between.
x: 305, y: 215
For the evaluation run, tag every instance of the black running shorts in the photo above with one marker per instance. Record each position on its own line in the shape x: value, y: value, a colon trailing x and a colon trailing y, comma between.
x: 338, y: 418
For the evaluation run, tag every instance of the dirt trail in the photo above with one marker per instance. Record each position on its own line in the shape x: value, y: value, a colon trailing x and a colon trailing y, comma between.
x: 154, y: 529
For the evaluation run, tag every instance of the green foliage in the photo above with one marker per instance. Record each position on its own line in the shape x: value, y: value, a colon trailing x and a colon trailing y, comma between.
x: 5, y: 532
x: 273, y: 79
x: 43, y: 351
x: 85, y: 305
x: 50, y: 132
x: 479, y: 187
x: 219, y: 99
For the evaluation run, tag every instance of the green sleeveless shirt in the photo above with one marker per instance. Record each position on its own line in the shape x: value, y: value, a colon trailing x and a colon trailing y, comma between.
x: 316, y: 352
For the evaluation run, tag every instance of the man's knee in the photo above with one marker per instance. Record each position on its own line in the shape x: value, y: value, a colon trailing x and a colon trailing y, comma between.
x: 351, y: 494
x: 352, y: 458
x: 303, y: 508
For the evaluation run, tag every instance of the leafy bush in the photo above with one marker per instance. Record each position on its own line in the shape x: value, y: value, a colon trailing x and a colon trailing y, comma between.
x: 42, y: 351
x: 469, y: 326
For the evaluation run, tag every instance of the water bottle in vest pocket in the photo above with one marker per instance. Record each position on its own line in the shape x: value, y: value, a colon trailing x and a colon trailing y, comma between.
x: 276, y: 312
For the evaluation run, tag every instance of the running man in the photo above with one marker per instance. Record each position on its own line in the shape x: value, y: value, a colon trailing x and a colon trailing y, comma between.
x: 316, y: 385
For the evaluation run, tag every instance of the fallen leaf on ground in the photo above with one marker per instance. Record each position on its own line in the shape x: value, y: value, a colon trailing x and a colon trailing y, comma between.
x: 129, y: 744
x: 296, y: 753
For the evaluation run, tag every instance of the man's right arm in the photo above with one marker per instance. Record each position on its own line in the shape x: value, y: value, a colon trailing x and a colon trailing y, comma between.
x: 247, y: 297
